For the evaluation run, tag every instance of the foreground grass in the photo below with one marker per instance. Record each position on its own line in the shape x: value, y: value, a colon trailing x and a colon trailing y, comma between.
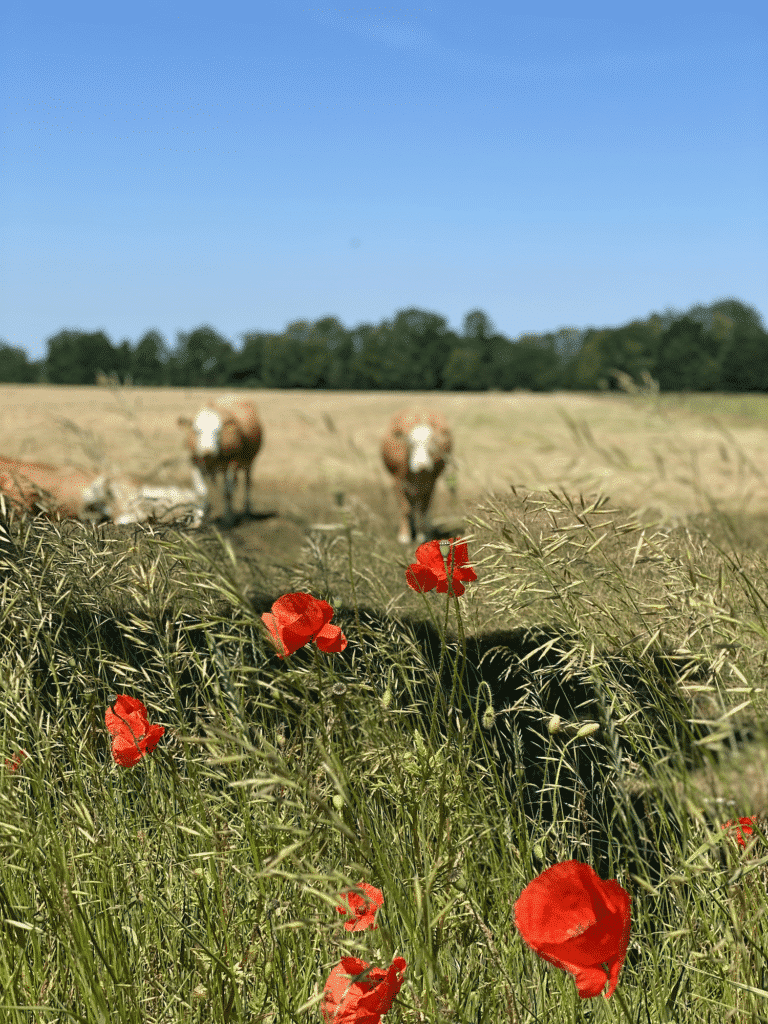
x: 201, y: 885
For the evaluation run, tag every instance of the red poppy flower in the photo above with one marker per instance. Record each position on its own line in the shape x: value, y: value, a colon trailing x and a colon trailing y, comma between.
x: 298, y: 618
x: 364, y: 907
x: 742, y: 829
x: 133, y: 736
x: 348, y: 999
x: 575, y: 920
x: 12, y: 763
x: 431, y: 569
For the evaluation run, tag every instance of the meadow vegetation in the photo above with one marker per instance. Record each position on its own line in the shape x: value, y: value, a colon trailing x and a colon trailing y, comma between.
x: 596, y: 694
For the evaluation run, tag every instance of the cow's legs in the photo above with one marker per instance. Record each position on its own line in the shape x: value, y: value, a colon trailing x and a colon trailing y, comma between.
x: 421, y: 510
x: 248, y: 512
x: 229, y: 486
x: 405, y: 532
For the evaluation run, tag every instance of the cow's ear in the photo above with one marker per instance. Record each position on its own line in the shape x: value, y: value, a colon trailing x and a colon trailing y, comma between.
x: 184, y: 421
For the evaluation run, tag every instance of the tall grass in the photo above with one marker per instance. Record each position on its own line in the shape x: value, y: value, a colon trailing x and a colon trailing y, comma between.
x: 444, y: 762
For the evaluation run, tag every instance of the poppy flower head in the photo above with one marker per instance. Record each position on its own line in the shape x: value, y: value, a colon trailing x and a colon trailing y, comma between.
x: 362, y: 907
x: 132, y: 735
x: 296, y: 619
x: 441, y: 564
x: 356, y: 993
x: 575, y: 920
x: 742, y: 829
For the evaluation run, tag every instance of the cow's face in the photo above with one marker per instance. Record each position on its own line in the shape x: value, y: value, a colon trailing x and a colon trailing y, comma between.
x: 206, y: 433
x: 420, y: 454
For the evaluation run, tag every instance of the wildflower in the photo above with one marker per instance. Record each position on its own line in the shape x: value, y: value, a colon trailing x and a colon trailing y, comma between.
x: 363, y: 907
x: 351, y: 999
x: 133, y: 736
x: 442, y: 569
x: 12, y: 763
x: 742, y: 829
x: 298, y: 618
x: 573, y: 919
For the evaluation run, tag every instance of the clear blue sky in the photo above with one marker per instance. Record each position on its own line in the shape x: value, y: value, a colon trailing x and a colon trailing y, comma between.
x: 245, y: 164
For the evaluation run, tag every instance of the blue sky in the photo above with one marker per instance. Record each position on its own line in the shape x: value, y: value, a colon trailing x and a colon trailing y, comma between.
x: 167, y: 164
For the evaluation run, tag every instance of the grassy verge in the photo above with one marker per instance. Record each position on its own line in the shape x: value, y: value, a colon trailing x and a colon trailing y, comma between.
x: 589, y: 697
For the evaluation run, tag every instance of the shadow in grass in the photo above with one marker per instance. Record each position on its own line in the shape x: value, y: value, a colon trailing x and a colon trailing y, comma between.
x: 244, y: 517
x: 533, y: 688
x: 521, y: 681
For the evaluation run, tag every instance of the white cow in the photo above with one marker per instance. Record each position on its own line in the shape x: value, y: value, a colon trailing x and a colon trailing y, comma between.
x: 122, y: 501
x: 225, y: 436
x: 415, y: 450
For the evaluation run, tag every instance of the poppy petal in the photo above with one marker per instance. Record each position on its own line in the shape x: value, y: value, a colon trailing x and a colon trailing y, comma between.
x: 330, y: 639
x: 421, y: 578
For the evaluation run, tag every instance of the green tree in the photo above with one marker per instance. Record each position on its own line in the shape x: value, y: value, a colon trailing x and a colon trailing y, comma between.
x: 201, y: 357
x: 75, y: 357
x: 687, y: 358
x: 463, y: 370
x: 745, y: 359
x: 149, y: 359
x: 531, y: 362
x: 629, y: 348
x: 479, y: 337
x: 15, y: 367
x: 423, y: 342
x: 380, y: 360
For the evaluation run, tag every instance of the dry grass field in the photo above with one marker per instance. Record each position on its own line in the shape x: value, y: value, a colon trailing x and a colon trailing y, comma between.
x: 667, y: 457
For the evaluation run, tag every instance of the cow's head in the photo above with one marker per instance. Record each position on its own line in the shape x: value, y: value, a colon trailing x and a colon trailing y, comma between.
x: 205, y: 433
x: 421, y: 449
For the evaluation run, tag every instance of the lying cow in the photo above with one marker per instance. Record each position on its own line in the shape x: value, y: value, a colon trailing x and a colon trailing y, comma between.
x: 415, y: 450
x: 67, y: 493
x: 225, y: 436
x: 122, y: 501
x: 37, y: 487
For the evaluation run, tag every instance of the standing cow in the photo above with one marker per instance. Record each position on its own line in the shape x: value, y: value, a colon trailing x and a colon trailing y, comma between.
x: 415, y: 450
x: 225, y: 436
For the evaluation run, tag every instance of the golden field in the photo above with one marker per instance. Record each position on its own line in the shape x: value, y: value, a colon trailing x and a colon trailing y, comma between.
x: 667, y: 455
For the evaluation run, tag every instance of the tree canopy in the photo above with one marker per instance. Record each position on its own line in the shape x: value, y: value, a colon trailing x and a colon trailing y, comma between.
x: 722, y: 346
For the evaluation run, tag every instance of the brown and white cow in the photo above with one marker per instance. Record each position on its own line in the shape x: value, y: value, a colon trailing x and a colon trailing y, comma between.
x: 67, y: 493
x: 40, y: 488
x: 415, y: 449
x: 225, y: 436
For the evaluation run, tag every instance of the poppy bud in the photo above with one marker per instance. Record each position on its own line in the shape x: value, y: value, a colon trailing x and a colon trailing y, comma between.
x: 489, y: 716
x: 554, y: 725
x: 386, y: 698
x: 338, y: 802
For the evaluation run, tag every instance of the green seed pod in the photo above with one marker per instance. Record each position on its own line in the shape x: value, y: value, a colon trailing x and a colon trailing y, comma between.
x: 588, y: 730
x: 338, y: 802
x: 554, y: 725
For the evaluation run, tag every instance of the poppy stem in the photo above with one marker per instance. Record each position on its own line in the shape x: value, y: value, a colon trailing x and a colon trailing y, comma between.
x: 461, y: 654
x: 361, y: 642
x: 438, y: 688
x: 622, y: 1003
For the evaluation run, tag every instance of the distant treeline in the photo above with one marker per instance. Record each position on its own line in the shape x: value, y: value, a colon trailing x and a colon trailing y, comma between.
x: 720, y: 347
